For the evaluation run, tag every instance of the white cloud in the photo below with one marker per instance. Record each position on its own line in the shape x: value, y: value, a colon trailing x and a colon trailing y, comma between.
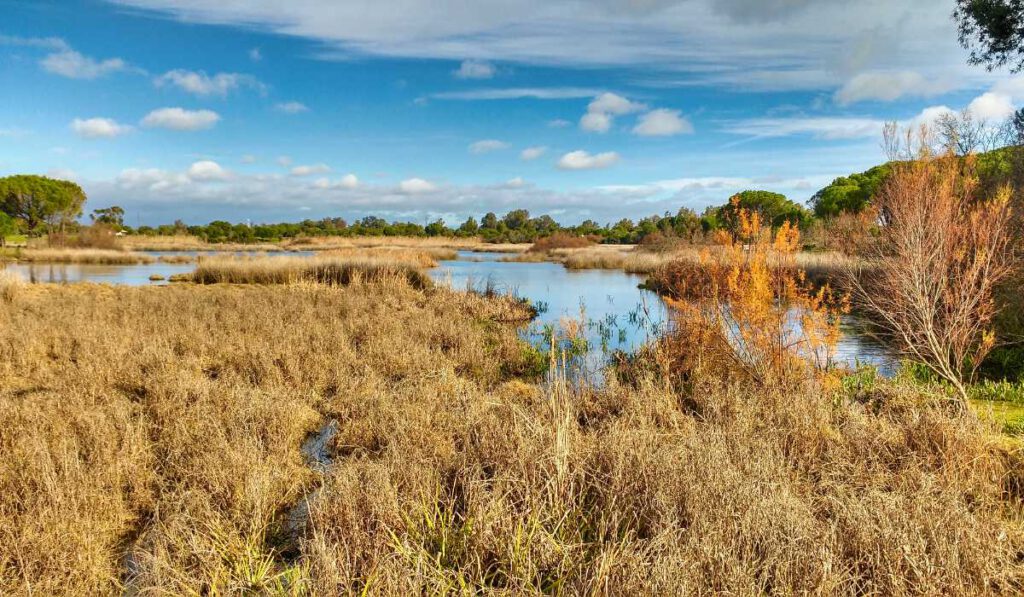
x: 207, y: 171
x: 603, y: 109
x: 889, y: 86
x: 320, y: 168
x: 532, y: 153
x: 255, y: 55
x: 349, y: 182
x: 829, y: 128
x: 96, y: 128
x: 539, y: 93
x: 783, y: 44
x: 596, y: 122
x: 179, y: 119
x: 662, y: 123
x: 558, y: 123
x: 611, y: 103
x: 284, y: 160
x: 487, y: 146
x: 474, y: 69
x: 291, y: 107
x: 416, y: 185
x: 248, y: 159
x: 515, y: 183
x: 581, y: 160
x: 62, y: 174
x: 71, y: 64
x: 991, y: 106
x: 201, y: 84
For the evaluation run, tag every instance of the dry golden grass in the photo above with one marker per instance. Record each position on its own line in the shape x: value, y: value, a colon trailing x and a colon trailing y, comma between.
x: 150, y: 437
x: 426, y: 256
x: 402, y: 242
x: 187, y: 242
x: 178, y: 259
x: 97, y: 256
x: 338, y: 269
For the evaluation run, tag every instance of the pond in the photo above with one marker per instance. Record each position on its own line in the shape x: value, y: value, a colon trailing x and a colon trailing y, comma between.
x: 612, y: 312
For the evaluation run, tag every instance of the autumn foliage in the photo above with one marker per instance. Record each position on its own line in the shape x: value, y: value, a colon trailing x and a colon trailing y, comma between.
x: 748, y: 308
x: 930, y: 278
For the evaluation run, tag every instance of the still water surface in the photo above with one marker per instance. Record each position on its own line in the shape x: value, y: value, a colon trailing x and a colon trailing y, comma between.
x: 615, y: 313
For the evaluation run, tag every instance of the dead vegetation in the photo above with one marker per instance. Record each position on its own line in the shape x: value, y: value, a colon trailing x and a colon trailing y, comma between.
x: 150, y: 440
x: 340, y: 268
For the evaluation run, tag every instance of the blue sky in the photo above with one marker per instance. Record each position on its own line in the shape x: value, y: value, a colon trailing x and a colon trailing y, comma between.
x: 418, y: 109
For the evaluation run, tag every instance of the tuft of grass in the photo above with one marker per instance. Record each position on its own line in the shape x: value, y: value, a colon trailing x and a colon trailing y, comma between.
x: 94, y: 256
x: 332, y: 270
x: 560, y: 240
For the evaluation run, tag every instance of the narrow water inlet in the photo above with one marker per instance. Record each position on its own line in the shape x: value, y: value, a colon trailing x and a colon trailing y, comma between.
x: 317, y: 453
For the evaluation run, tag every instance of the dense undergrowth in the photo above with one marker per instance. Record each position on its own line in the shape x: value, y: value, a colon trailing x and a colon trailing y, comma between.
x: 150, y: 440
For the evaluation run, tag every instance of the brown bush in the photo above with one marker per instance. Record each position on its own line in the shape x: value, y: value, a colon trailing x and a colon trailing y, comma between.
x: 933, y: 272
x: 560, y: 240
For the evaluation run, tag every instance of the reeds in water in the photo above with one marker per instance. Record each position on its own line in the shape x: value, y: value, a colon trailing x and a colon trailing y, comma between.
x: 87, y: 256
x: 331, y: 270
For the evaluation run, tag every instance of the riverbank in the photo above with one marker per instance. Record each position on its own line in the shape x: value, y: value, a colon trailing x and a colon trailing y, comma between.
x: 154, y: 441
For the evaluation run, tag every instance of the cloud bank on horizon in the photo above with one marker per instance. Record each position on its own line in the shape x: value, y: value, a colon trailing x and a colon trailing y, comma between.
x: 446, y: 108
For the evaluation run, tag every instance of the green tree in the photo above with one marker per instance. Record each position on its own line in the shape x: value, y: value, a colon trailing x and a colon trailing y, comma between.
x: 112, y: 216
x: 490, y: 221
x: 41, y: 201
x: 774, y: 208
x: 516, y: 219
x: 849, y: 194
x: 8, y: 226
x: 993, y: 32
x: 469, y: 227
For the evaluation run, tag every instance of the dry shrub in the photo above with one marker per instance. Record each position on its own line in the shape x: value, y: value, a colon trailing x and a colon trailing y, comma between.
x: 750, y: 309
x: 98, y: 236
x: 11, y: 283
x: 662, y: 242
x: 560, y: 240
x: 933, y: 272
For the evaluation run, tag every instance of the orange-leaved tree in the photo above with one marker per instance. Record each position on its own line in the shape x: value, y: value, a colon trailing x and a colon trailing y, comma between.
x: 748, y: 309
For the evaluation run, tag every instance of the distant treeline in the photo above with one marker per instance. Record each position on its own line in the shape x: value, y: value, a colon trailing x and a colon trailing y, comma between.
x: 516, y: 226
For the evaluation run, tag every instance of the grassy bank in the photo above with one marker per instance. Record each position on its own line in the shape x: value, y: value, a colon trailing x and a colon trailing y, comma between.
x: 152, y: 438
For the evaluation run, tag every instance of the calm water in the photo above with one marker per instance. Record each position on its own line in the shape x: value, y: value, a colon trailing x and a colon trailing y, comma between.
x: 615, y: 314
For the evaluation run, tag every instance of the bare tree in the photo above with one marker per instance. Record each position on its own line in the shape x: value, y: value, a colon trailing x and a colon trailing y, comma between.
x: 960, y: 133
x: 929, y: 280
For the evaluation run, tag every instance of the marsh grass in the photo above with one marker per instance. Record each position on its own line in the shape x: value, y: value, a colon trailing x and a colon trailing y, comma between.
x: 85, y: 256
x: 334, y: 270
x: 186, y: 242
x: 150, y: 438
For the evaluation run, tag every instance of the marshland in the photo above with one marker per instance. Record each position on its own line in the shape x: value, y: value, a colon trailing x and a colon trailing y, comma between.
x: 371, y: 419
x: 602, y: 303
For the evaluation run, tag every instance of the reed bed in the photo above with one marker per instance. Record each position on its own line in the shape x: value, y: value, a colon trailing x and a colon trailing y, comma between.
x: 151, y: 442
x: 186, y: 242
x: 423, y: 256
x: 177, y: 259
x: 401, y: 242
x: 85, y: 256
x: 331, y: 270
